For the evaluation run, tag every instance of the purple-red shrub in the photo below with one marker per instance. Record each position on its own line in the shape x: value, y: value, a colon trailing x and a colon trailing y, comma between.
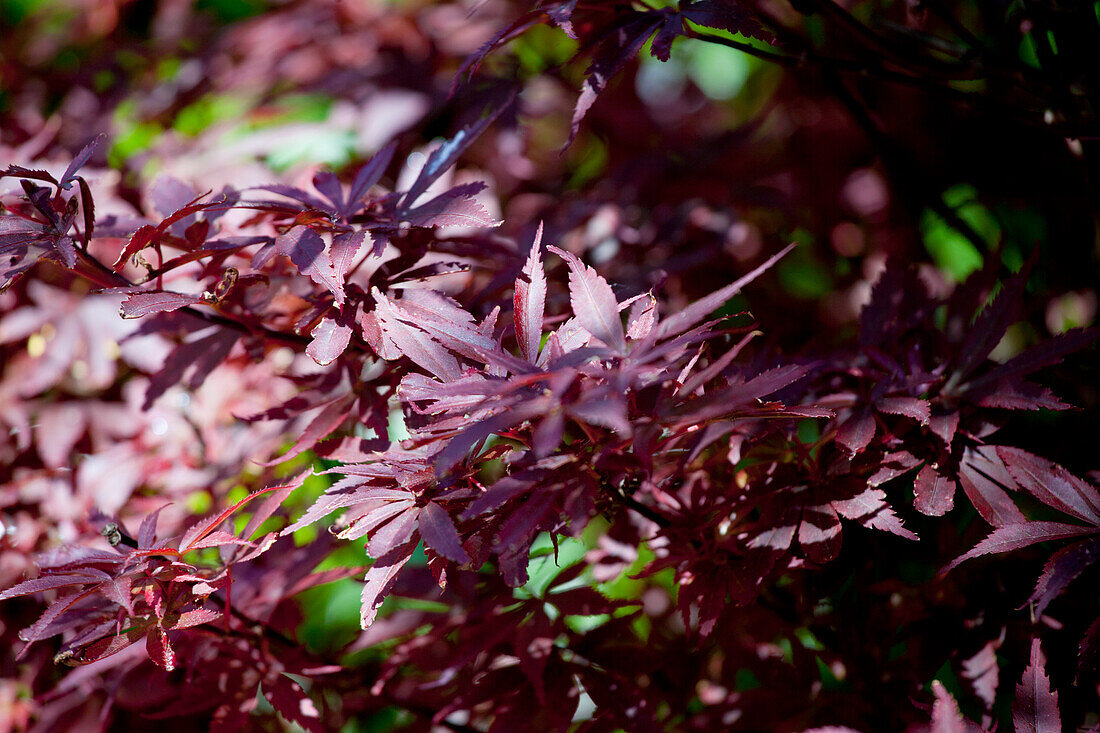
x: 626, y: 495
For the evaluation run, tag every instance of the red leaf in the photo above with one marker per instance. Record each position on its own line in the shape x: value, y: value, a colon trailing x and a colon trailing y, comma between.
x: 292, y: 702
x: 160, y: 651
x: 195, y: 617
x: 208, y: 525
x: 217, y: 538
x: 1035, y: 709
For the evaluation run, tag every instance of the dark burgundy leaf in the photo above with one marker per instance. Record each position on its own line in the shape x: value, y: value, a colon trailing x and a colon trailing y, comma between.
x: 919, y: 410
x: 1017, y: 536
x: 394, y: 533
x: 734, y: 17
x: 439, y: 533
x: 976, y: 474
x: 1062, y: 568
x: 1035, y: 709
x: 690, y: 316
x: 447, y: 154
x: 613, y: 54
x: 1053, y: 485
x: 79, y: 161
x: 293, y: 704
x: 366, y: 177
x: 934, y: 493
x: 856, y: 432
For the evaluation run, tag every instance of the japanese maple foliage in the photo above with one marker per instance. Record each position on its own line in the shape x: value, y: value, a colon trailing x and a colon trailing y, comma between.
x: 581, y: 432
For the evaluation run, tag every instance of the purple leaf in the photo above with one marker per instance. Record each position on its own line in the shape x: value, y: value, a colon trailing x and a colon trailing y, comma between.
x: 529, y: 302
x: 946, y: 717
x: 366, y: 177
x: 142, y: 304
x: 379, y: 580
x: 870, y: 509
x: 518, y: 530
x: 326, y: 421
x: 455, y: 207
x: 919, y: 410
x: 934, y: 493
x: 1048, y: 353
x: 685, y: 319
x: 613, y: 54
x: 79, y: 161
x: 728, y: 16
x: 643, y: 316
x: 670, y: 30
x: 446, y: 154
x: 1053, y: 485
x: 1017, y: 536
x: 989, y: 328
x: 51, y: 582
x: 857, y: 431
x: 147, y: 531
x: 986, y: 494
x: 1062, y: 568
x: 330, y: 340
x: 1035, y: 709
x: 306, y: 250
x: 412, y: 342
x: 329, y: 185
x: 439, y: 533
x: 344, y: 248
x: 983, y: 673
x: 394, y: 533
x: 593, y: 302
